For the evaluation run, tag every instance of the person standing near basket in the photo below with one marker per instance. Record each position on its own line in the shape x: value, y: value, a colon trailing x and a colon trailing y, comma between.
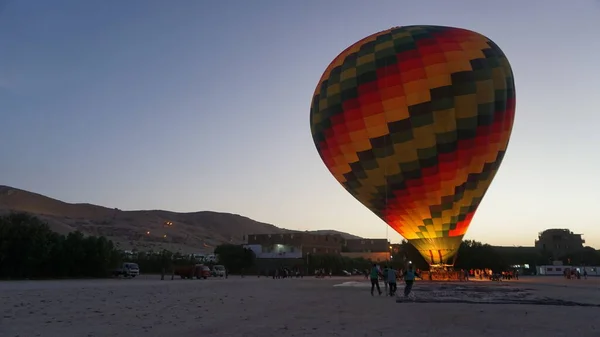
x: 409, y: 279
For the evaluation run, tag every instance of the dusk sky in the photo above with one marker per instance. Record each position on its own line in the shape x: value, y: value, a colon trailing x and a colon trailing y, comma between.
x: 190, y: 105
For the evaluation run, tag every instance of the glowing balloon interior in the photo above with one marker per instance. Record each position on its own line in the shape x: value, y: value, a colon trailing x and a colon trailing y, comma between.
x: 414, y: 122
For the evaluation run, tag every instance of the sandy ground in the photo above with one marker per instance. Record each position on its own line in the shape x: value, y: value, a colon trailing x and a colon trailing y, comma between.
x: 288, y: 307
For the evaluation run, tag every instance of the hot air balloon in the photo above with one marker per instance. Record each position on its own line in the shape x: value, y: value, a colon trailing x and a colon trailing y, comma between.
x: 414, y: 122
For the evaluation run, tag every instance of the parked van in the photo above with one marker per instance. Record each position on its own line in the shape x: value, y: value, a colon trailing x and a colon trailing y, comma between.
x: 219, y: 270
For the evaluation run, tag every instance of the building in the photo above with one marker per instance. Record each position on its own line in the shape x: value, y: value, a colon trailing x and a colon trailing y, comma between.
x: 367, y: 246
x: 290, y: 250
x: 374, y: 257
x: 556, y: 270
x: 277, y: 251
x: 396, y: 248
x: 376, y: 250
x: 302, y: 244
x: 559, y: 242
x: 306, y: 243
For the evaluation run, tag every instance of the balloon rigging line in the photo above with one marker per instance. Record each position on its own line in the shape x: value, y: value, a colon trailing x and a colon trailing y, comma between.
x: 386, y: 209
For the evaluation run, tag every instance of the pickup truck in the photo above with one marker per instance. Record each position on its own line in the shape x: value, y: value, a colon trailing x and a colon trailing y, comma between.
x: 128, y: 269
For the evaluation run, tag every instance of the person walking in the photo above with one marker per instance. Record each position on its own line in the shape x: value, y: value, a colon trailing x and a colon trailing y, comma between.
x: 391, y: 281
x: 409, y: 279
x: 375, y: 279
x: 385, y: 280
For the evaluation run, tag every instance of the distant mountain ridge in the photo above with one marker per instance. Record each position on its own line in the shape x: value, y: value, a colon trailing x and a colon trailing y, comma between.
x: 143, y: 229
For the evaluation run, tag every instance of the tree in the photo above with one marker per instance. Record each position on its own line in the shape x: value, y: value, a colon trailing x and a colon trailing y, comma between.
x: 235, y: 257
x: 587, y: 256
x: 30, y: 249
x: 476, y: 255
x: 336, y: 263
x: 408, y: 252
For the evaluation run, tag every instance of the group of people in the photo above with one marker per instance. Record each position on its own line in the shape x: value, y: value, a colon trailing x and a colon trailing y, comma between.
x: 489, y: 274
x: 390, y: 276
x: 282, y: 272
x: 572, y: 274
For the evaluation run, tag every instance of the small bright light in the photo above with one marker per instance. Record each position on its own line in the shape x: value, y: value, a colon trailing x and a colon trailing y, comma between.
x: 164, y: 236
x: 410, y: 262
x: 148, y: 232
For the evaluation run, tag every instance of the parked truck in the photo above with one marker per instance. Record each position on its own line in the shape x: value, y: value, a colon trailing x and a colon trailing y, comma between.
x: 191, y: 271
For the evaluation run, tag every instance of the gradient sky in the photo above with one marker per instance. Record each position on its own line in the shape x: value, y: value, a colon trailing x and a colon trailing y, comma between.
x: 191, y: 105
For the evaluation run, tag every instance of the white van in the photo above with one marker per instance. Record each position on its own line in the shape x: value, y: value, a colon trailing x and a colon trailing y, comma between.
x: 219, y: 270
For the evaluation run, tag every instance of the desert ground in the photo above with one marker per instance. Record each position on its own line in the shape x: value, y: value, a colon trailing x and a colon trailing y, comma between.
x: 251, y: 306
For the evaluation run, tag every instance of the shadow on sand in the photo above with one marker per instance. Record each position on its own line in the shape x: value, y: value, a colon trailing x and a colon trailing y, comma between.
x: 482, y: 294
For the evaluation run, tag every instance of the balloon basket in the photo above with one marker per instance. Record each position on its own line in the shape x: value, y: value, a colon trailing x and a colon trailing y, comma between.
x: 441, y: 266
x: 442, y: 275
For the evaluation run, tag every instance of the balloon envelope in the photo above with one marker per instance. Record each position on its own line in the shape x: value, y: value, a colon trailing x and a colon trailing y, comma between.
x: 414, y: 122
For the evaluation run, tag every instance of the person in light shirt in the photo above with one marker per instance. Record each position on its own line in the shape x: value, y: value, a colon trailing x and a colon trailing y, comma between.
x: 391, y: 281
x: 409, y: 279
x: 384, y: 278
x: 375, y: 279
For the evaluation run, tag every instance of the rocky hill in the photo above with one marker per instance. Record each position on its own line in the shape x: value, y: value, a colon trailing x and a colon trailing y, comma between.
x: 143, y: 230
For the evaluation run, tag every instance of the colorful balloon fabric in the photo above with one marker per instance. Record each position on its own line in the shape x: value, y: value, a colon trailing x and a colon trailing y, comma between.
x: 414, y: 122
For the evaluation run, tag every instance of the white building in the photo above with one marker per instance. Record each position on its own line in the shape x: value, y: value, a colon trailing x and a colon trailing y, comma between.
x: 549, y: 270
x: 275, y: 251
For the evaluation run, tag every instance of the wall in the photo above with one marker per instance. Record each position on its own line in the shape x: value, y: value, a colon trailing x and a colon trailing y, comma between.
x: 309, y: 243
x: 367, y: 245
x: 276, y: 251
x: 375, y: 257
x: 559, y: 270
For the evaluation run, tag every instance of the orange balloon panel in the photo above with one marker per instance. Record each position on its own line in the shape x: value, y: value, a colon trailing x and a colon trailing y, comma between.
x: 414, y: 122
